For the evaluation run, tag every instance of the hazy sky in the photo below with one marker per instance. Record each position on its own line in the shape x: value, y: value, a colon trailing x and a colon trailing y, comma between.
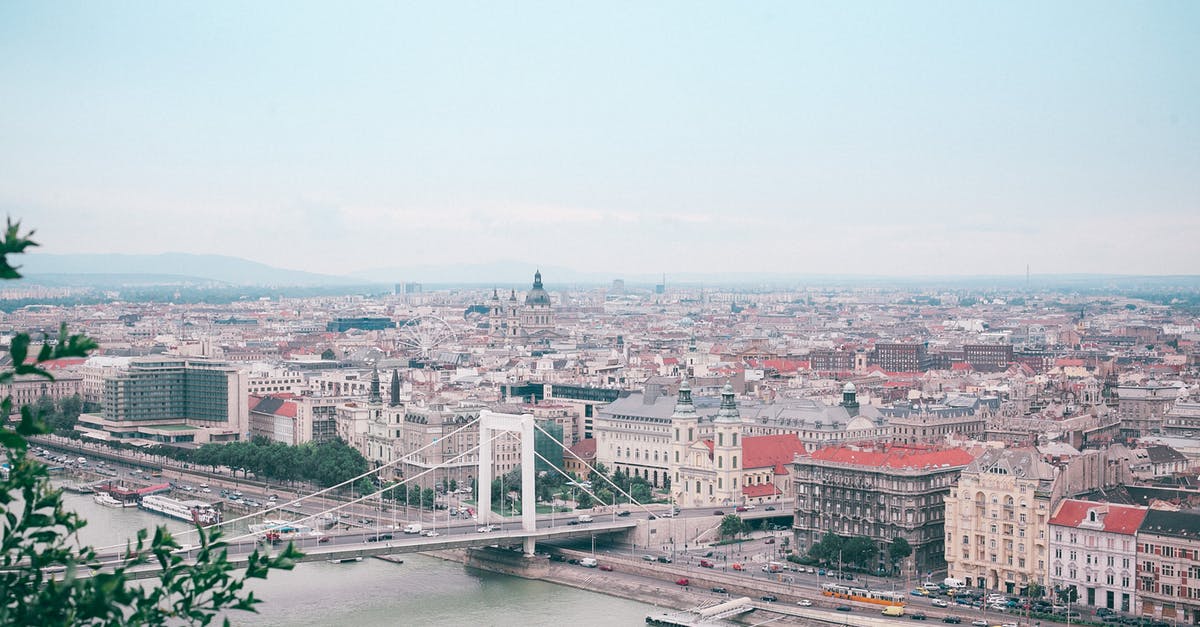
x: 882, y: 138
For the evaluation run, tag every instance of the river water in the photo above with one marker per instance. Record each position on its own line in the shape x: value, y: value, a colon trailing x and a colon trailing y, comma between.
x: 422, y: 591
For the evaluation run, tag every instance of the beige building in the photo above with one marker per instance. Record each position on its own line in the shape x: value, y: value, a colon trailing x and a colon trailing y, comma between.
x: 1141, y: 408
x: 996, y: 520
x: 1168, y: 567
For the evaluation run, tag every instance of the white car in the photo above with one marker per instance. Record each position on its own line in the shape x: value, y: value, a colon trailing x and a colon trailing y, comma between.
x: 940, y: 603
x: 432, y: 534
x: 804, y: 603
x: 487, y: 529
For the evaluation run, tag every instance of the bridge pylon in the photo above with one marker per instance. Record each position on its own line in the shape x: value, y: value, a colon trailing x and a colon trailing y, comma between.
x: 489, y: 423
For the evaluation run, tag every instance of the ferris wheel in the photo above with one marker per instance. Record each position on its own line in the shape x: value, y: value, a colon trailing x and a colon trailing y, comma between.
x: 424, y: 334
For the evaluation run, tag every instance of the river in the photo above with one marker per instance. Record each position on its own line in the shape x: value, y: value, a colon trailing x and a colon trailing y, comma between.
x: 422, y: 591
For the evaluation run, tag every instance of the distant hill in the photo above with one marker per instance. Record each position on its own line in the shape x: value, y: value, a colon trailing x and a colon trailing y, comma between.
x: 165, y: 268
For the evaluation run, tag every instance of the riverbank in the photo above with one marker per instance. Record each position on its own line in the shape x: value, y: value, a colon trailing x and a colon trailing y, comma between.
x: 646, y: 586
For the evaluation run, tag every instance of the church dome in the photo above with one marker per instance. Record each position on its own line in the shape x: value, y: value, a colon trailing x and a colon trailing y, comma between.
x: 537, y: 295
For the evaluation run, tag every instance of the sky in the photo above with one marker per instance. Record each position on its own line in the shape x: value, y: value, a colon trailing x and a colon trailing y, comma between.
x: 882, y: 138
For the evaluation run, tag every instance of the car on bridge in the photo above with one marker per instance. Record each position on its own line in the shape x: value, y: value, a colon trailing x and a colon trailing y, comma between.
x: 804, y: 603
x: 683, y: 581
x: 487, y: 529
x: 769, y: 598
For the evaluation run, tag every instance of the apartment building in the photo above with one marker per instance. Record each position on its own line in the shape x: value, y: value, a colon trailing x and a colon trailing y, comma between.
x: 1092, y: 547
x: 1168, y: 566
x: 881, y: 493
x: 996, y: 520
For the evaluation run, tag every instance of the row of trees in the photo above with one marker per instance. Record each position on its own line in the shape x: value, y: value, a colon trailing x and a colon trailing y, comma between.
x: 325, y: 464
x: 857, y: 551
x: 60, y: 415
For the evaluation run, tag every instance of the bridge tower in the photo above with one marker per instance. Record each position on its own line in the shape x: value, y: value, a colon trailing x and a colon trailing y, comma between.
x: 489, y: 423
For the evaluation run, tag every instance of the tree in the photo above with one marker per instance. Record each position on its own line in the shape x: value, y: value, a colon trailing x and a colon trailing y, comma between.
x: 427, y: 497
x: 732, y: 526
x: 898, y: 550
x: 454, y: 485
x: 828, y: 549
x: 859, y: 551
x: 1069, y: 594
x: 45, y: 577
x: 1035, y: 591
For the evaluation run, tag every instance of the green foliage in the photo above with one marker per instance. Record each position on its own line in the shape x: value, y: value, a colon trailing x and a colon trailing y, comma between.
x: 899, y: 549
x: 1069, y: 594
x: 733, y: 526
x: 325, y: 464
x: 828, y: 549
x: 859, y: 551
x: 1035, y: 591
x: 45, y: 577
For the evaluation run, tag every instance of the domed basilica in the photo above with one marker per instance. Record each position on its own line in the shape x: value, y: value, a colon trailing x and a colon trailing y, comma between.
x: 531, y: 321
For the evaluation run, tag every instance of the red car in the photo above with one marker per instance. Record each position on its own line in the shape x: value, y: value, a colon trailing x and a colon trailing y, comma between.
x: 605, y: 567
x: 323, y: 540
x: 707, y: 564
x: 741, y: 508
x: 770, y: 541
x: 683, y: 581
x: 738, y: 566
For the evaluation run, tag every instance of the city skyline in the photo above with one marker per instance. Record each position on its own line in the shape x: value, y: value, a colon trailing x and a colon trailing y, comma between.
x: 871, y: 140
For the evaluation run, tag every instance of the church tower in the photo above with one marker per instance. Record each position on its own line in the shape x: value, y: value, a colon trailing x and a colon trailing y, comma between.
x: 685, y: 428
x: 513, y: 319
x: 495, y: 315
x: 727, y: 450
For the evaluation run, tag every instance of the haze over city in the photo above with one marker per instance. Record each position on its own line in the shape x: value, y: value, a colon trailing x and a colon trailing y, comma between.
x: 894, y: 139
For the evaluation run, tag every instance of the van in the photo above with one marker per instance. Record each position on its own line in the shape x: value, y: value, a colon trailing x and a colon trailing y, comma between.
x: 951, y: 582
x: 413, y: 528
x: 893, y: 610
x: 588, y: 562
x: 585, y: 518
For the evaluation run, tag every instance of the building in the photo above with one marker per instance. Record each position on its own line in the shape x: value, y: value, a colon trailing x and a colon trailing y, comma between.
x: 1092, y: 548
x: 1168, y: 567
x: 996, y: 520
x: 171, y: 400
x: 633, y: 434
x: 294, y: 420
x: 899, y: 357
x: 341, y: 325
x: 988, y: 357
x: 1182, y: 420
x: 817, y: 424
x: 722, y: 466
x: 28, y: 389
x: 581, y: 456
x: 531, y: 321
x: 881, y: 493
x: 1142, y: 408
x: 959, y: 417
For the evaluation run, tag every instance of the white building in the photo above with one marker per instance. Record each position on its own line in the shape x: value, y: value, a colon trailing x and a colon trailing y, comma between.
x: 1093, y: 549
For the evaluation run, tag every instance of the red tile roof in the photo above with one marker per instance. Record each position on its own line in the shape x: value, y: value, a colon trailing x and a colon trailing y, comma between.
x: 894, y: 457
x: 762, y: 489
x: 765, y: 451
x: 585, y: 449
x: 1122, y: 519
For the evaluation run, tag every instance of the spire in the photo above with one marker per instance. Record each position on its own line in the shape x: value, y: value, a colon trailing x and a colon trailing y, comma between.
x: 395, y: 400
x: 537, y: 279
x: 375, y: 398
x: 683, y: 406
x: 728, y: 411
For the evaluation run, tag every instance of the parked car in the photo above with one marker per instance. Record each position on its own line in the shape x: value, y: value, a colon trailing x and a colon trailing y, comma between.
x: 821, y: 572
x: 1103, y: 611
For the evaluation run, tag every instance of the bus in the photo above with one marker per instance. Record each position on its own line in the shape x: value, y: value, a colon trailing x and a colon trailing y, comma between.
x: 878, y: 597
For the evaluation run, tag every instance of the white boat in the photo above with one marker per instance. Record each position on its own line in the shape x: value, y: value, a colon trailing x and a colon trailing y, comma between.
x: 345, y: 560
x: 286, y: 530
x: 106, y: 500
x: 190, y: 511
